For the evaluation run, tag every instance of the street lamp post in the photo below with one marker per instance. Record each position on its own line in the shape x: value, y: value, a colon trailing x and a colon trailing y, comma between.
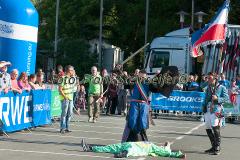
x: 192, y: 21
x: 146, y: 21
x: 182, y: 15
x: 56, y: 34
x: 200, y: 18
x: 100, y: 35
x: 146, y: 30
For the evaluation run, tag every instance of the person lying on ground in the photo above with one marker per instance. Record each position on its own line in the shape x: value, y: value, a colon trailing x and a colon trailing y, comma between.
x: 133, y: 149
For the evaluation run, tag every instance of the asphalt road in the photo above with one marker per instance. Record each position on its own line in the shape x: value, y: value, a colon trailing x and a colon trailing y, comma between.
x: 47, y: 143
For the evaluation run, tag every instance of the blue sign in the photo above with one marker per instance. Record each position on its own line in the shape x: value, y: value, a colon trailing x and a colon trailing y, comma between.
x: 21, y: 111
x: 179, y: 101
x: 15, y: 111
x: 41, y: 107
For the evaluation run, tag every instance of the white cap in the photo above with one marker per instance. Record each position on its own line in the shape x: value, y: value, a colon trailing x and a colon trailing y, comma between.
x: 4, y: 63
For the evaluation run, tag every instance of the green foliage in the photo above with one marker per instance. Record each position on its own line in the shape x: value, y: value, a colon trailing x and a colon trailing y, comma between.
x: 123, y: 25
x: 75, y: 52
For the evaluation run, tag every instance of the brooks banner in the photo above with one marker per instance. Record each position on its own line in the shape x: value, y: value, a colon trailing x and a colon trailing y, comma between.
x: 179, y: 101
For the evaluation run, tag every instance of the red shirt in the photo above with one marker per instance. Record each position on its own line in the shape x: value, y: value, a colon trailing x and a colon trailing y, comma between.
x: 60, y: 74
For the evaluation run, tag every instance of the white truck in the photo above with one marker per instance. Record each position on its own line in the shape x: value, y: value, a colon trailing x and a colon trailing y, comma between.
x: 173, y: 49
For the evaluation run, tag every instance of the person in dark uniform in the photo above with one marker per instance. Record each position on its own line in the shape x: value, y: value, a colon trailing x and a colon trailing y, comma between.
x: 139, y: 114
x: 138, y: 118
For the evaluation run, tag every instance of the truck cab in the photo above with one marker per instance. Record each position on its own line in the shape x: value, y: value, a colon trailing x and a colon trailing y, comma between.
x: 173, y: 49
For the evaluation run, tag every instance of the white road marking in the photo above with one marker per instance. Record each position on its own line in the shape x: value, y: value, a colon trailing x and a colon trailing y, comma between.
x: 112, y: 133
x: 112, y: 120
x: 74, y: 137
x: 63, y: 154
x: 98, y: 126
x: 54, y: 153
x: 149, y: 130
x: 190, y: 131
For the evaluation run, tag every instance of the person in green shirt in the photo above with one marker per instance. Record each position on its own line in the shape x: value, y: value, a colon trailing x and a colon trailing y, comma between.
x: 66, y: 89
x: 95, y: 92
x: 134, y: 149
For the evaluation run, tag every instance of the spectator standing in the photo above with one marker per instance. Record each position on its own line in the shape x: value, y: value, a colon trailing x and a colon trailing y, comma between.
x: 106, y: 81
x: 52, y: 78
x: 234, y: 91
x: 32, y: 81
x: 195, y: 78
x: 122, y: 95
x: 204, y: 82
x: 80, y: 101
x: 5, y: 79
x: 75, y: 83
x: 66, y: 96
x: 40, y: 71
x: 238, y: 80
x: 23, y: 82
x: 5, y: 82
x: 112, y: 95
x: 39, y: 81
x: 60, y: 71
x: 223, y: 81
x: 14, y: 83
x: 95, y: 91
x: 191, y: 85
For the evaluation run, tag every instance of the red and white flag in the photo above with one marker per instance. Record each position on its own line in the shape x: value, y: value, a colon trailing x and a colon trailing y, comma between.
x: 212, y: 33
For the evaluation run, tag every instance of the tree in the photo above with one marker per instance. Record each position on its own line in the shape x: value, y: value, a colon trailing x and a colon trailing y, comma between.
x: 123, y: 25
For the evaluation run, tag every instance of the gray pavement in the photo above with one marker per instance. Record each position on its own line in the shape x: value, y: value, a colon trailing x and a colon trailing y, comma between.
x: 47, y: 143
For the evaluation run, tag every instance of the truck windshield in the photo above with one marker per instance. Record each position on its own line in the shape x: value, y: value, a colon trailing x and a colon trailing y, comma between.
x: 159, y: 59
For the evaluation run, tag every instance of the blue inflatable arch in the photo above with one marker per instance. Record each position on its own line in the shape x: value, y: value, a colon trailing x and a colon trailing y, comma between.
x: 18, y: 34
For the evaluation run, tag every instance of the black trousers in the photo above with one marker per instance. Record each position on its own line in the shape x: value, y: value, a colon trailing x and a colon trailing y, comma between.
x: 112, y: 104
x: 214, y: 137
x: 135, y: 137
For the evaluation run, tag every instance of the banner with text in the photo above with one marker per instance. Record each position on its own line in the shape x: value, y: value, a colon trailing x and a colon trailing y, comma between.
x: 15, y: 111
x: 41, y: 107
x: 21, y: 111
x: 179, y: 101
